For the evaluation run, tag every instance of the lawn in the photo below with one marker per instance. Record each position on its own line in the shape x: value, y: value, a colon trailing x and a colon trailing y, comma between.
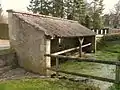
x: 43, y: 84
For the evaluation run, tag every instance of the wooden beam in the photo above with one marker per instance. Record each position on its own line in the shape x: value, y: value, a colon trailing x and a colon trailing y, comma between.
x: 117, y: 75
x: 80, y: 50
x: 80, y: 46
x: 65, y: 51
x: 81, y: 40
x: 85, y: 60
x: 86, y: 45
x: 57, y: 67
x: 71, y: 49
x: 85, y: 75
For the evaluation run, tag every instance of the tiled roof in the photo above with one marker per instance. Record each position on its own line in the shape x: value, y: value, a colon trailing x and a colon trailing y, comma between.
x: 54, y: 26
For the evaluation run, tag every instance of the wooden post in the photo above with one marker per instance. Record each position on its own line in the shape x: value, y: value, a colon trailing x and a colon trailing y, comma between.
x: 57, y: 67
x: 118, y: 74
x: 80, y: 46
x: 117, y: 77
x: 80, y: 50
x: 93, y: 42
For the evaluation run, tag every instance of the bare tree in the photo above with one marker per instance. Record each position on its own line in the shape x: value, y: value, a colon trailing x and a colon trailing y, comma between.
x: 2, y: 19
x: 115, y: 15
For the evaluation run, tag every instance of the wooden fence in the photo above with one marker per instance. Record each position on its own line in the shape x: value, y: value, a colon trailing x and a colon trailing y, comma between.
x: 116, y: 63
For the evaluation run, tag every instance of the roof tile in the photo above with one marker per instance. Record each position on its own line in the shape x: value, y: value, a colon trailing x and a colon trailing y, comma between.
x: 55, y: 26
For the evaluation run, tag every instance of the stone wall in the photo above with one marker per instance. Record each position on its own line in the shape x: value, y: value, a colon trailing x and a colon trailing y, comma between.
x: 8, y: 60
x: 29, y: 44
x: 115, y: 31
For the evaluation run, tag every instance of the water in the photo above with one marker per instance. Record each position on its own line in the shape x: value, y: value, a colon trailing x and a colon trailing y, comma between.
x: 106, y: 71
x: 94, y: 69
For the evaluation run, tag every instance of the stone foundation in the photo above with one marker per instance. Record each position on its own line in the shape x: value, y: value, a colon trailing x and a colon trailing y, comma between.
x: 7, y: 60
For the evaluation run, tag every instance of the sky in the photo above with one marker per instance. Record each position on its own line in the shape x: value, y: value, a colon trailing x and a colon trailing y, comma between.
x: 109, y: 4
x: 20, y: 5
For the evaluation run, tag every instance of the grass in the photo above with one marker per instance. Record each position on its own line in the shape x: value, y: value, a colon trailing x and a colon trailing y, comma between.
x: 110, y: 51
x: 43, y: 84
x: 115, y: 87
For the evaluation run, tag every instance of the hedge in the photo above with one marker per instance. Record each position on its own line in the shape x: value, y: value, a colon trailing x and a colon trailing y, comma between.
x: 111, y: 37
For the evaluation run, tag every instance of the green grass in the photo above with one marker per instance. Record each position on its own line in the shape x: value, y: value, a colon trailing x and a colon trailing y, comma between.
x: 110, y: 51
x: 114, y: 87
x: 43, y: 84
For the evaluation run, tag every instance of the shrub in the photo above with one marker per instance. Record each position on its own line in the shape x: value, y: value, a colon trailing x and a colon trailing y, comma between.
x: 114, y: 87
x: 111, y: 37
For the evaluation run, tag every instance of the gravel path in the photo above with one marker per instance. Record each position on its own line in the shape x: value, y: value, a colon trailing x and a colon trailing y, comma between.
x: 18, y: 73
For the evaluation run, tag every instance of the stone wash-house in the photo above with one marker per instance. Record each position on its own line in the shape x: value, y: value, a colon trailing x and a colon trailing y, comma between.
x: 32, y: 36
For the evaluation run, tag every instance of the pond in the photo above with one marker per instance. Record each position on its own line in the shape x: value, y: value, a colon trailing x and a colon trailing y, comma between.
x: 109, y: 52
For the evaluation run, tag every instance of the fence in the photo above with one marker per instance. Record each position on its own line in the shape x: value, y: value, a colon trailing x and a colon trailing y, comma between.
x: 57, y: 70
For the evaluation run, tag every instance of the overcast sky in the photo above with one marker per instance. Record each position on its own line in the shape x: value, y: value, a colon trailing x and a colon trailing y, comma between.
x: 20, y: 5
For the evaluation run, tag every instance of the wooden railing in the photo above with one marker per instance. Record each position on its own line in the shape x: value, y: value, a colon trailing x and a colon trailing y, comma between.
x: 71, y: 49
x: 116, y: 63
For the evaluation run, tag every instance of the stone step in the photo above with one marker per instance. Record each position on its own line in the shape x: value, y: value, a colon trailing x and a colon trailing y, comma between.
x: 2, y: 63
